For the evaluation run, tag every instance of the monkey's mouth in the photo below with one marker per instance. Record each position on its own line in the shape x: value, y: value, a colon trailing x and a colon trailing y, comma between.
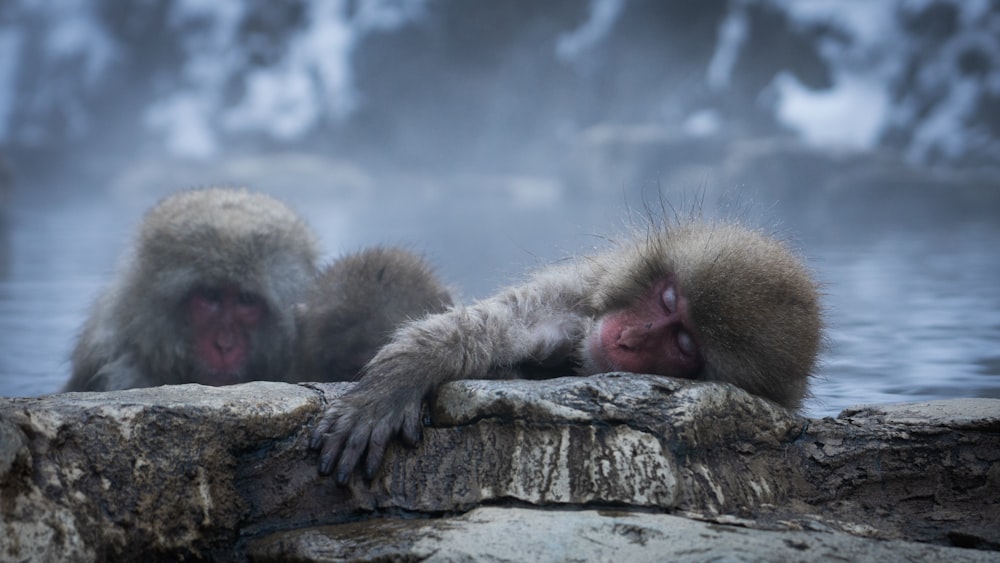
x: 221, y: 366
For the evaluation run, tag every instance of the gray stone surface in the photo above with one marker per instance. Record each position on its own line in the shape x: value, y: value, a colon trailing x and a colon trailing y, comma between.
x: 224, y: 473
x: 959, y: 414
x: 520, y: 534
x: 139, y: 473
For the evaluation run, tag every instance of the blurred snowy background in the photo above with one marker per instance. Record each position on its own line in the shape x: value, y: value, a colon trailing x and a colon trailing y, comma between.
x: 496, y: 136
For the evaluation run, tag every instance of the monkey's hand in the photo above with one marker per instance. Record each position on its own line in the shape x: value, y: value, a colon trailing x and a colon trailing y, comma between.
x: 363, y: 422
x: 482, y: 341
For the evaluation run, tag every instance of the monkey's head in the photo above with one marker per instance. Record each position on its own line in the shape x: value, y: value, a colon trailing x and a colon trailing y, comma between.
x: 356, y: 304
x: 716, y: 302
x: 212, y: 285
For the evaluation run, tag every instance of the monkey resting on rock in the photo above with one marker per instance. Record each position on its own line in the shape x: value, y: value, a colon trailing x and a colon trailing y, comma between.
x: 696, y: 300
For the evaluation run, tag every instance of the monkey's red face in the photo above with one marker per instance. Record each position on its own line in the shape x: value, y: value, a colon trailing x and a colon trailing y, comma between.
x: 223, y: 320
x: 655, y: 335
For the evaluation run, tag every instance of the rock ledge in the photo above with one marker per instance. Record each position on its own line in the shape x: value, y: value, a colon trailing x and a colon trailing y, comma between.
x: 610, y: 466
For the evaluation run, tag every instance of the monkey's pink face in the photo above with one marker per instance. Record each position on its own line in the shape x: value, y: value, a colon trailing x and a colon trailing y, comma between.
x: 223, y: 320
x: 655, y: 335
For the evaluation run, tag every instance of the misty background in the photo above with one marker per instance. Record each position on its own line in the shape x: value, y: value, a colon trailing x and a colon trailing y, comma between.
x: 494, y: 137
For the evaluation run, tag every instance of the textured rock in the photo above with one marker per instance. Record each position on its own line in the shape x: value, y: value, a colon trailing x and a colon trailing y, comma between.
x: 639, y: 440
x: 926, y: 471
x: 956, y: 414
x: 140, y: 473
x: 519, y: 534
x: 224, y: 473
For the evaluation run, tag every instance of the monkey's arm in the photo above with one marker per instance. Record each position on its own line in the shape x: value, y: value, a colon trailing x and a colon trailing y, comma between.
x: 531, y: 323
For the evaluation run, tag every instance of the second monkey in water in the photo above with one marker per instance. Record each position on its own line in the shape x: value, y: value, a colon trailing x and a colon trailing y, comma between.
x: 354, y: 307
x: 697, y: 300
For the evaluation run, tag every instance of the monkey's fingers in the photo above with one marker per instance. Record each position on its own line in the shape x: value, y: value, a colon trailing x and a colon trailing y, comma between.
x: 353, y: 448
x: 378, y: 443
x: 332, y: 443
x: 319, y: 433
x: 412, y: 427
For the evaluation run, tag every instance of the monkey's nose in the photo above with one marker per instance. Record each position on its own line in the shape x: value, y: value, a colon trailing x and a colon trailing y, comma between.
x: 225, y: 340
x: 633, y: 338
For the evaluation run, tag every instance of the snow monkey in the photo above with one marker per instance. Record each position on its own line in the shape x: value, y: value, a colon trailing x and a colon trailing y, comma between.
x: 356, y: 304
x: 206, y: 295
x: 712, y: 301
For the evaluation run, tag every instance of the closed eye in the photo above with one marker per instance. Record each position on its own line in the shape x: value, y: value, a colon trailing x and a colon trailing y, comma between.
x: 669, y: 298
x: 686, y: 344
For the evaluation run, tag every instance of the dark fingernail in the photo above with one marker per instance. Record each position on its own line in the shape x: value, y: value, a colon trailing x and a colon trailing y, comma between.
x: 324, y: 467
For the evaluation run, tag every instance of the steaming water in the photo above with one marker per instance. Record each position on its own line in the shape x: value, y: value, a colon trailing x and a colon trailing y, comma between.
x: 912, y: 315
